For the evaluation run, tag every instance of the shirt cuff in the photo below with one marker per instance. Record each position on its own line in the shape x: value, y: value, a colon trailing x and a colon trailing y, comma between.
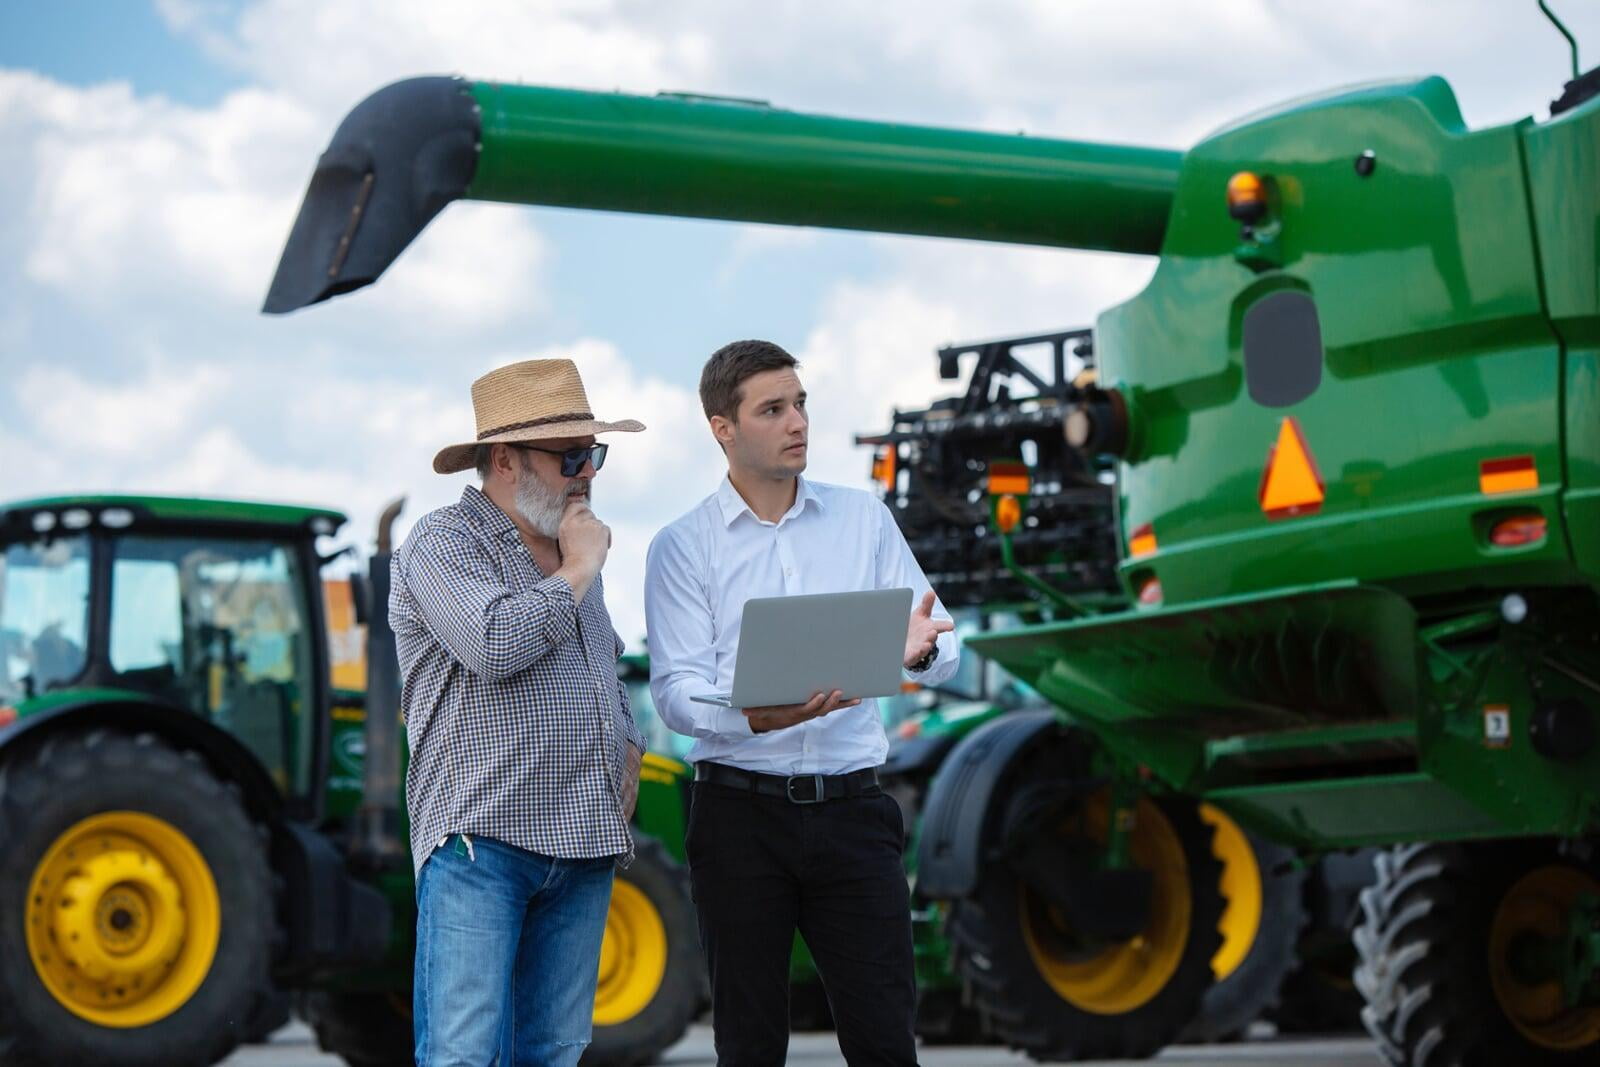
x: 730, y: 722
x: 561, y: 619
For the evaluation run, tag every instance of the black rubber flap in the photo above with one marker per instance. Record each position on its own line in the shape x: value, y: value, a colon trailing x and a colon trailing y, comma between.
x: 394, y: 163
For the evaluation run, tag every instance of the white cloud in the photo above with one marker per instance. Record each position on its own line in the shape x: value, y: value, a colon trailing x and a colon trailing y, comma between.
x: 154, y: 212
x: 290, y: 44
x: 69, y: 412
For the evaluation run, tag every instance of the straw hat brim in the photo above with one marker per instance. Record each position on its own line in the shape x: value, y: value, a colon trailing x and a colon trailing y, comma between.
x: 455, y: 458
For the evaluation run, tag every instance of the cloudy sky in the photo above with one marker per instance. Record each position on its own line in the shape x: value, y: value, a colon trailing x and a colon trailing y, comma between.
x: 154, y: 154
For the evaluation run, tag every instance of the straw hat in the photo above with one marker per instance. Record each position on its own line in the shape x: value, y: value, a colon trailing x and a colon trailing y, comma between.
x: 528, y: 401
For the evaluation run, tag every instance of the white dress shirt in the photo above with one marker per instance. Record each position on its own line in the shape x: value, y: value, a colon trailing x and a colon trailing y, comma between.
x: 704, y: 567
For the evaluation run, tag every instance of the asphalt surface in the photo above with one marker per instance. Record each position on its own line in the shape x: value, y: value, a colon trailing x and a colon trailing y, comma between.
x: 293, y: 1046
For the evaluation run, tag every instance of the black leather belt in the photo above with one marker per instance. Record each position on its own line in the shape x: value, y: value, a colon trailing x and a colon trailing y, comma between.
x: 795, y: 788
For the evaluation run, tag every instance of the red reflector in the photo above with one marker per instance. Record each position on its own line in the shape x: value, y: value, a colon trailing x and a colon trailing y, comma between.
x: 1008, y: 476
x: 1150, y: 593
x: 8, y: 715
x: 1519, y: 530
x: 909, y: 729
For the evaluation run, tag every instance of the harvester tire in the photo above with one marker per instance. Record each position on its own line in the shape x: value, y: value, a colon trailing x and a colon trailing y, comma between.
x: 652, y: 974
x: 274, y: 1014
x: 1437, y: 928
x: 1259, y: 947
x: 364, y: 1029
x: 140, y: 891
x: 997, y: 953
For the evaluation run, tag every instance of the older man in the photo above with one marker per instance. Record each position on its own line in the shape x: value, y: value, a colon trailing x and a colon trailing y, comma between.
x: 524, y: 756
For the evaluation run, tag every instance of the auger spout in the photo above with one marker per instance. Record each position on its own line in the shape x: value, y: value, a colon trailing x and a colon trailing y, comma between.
x: 411, y: 148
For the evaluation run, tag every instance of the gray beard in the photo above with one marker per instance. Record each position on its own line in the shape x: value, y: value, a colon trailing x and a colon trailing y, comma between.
x: 541, y: 507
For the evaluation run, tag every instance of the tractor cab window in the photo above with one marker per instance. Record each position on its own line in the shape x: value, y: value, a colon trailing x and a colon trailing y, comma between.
x: 220, y: 627
x: 44, y: 615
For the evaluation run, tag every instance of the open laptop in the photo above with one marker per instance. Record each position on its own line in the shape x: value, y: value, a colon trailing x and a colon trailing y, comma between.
x: 793, y: 647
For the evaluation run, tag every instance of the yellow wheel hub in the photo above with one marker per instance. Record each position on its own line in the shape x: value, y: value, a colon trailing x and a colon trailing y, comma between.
x: 1118, y: 978
x: 633, y: 956
x: 1539, y: 906
x: 123, y: 919
x: 1241, y: 892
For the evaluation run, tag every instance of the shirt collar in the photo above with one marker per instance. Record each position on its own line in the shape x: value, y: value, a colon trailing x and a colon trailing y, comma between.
x: 486, y: 513
x: 732, y: 505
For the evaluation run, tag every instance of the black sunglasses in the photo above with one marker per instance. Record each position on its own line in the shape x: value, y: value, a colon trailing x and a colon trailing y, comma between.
x: 573, y: 459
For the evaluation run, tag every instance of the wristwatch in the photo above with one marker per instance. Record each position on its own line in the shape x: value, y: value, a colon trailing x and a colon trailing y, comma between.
x: 926, y: 661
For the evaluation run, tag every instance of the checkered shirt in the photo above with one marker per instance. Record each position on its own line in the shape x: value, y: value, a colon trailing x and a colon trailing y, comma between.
x: 515, y: 716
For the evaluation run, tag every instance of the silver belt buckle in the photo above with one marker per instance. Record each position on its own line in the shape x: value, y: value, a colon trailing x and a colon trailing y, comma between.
x: 788, y: 788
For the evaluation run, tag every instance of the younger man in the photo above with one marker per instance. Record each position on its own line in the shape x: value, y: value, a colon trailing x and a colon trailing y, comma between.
x: 768, y: 851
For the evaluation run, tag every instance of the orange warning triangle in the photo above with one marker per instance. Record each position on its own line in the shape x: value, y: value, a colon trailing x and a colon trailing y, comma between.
x: 1290, y: 485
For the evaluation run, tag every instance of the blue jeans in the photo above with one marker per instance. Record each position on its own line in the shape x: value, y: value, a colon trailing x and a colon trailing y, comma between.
x: 508, y: 952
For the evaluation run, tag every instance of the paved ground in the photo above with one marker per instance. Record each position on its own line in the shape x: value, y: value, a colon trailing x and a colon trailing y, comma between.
x: 294, y: 1047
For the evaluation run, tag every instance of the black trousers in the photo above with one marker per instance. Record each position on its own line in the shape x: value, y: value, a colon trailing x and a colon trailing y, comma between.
x: 762, y: 868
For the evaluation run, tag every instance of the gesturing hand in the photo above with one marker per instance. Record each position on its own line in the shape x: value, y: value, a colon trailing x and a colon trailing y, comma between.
x: 779, y: 716
x: 924, y: 630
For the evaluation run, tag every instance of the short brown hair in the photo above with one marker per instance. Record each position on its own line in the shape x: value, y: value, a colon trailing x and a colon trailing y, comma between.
x: 728, y: 368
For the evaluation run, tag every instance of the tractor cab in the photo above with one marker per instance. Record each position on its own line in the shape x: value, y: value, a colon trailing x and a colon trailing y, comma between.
x: 204, y: 606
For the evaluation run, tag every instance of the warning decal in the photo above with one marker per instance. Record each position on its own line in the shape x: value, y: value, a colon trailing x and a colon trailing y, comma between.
x: 1290, y: 484
x: 1496, y: 725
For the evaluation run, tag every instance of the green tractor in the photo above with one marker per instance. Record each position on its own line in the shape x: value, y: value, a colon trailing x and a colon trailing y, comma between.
x: 1356, y: 419
x: 197, y: 823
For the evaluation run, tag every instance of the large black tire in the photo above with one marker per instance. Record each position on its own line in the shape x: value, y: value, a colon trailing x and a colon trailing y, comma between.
x: 945, y: 1018
x: 657, y: 880
x: 1320, y: 997
x: 274, y: 1014
x: 1429, y: 959
x: 44, y: 794
x: 990, y: 944
x: 1262, y: 879
x: 365, y: 1029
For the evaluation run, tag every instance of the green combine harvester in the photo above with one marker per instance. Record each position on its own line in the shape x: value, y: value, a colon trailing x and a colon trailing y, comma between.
x: 1356, y: 417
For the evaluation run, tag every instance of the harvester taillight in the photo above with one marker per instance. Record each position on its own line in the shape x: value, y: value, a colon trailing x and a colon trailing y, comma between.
x: 883, y: 468
x: 8, y: 715
x: 1150, y: 593
x: 1519, y: 530
x: 1142, y: 541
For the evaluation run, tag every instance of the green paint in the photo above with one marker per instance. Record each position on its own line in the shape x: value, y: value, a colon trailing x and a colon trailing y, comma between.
x: 57, y: 698
x: 181, y: 509
x: 678, y: 155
